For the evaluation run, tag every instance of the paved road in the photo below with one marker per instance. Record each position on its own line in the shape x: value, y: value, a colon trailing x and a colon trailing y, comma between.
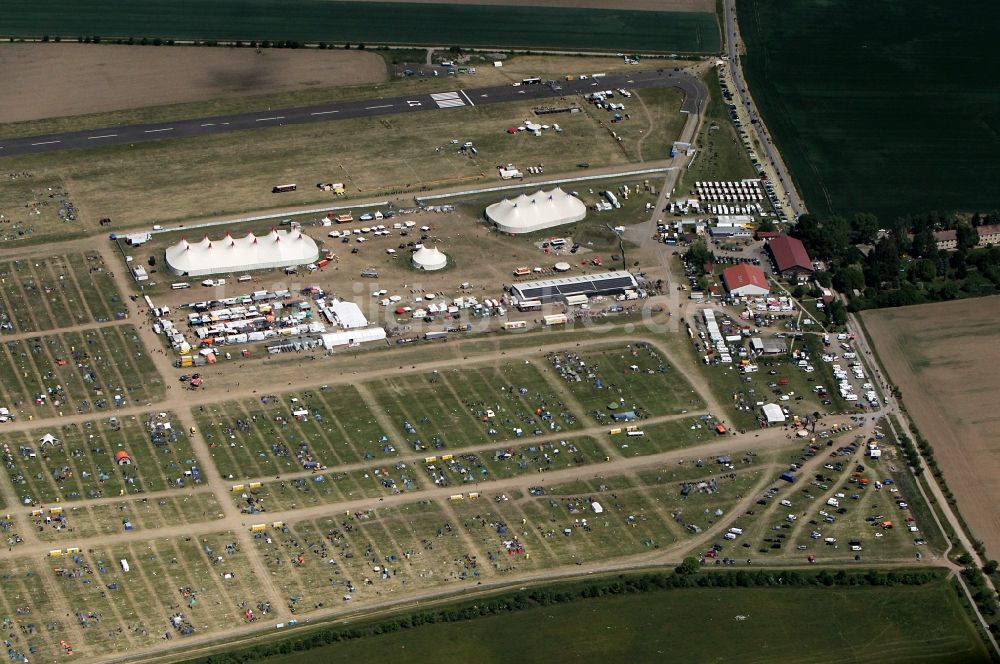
x: 771, y: 158
x: 694, y: 93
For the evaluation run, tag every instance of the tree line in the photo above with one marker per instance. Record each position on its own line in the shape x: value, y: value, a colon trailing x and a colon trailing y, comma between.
x: 687, y: 575
x: 897, y: 263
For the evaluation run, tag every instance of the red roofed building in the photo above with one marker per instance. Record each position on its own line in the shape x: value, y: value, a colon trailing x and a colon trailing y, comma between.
x: 790, y: 256
x: 745, y: 281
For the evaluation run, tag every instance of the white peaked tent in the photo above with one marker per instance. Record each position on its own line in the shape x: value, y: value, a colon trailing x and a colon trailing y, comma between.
x: 533, y: 212
x: 429, y: 259
x: 276, y: 249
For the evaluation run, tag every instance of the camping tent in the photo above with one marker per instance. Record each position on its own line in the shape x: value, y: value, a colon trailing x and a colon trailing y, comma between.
x: 429, y: 259
x: 533, y: 212
x: 49, y: 439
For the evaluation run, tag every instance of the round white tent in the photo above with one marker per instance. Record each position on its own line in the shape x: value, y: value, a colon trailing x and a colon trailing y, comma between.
x: 429, y: 259
x: 533, y: 212
x: 276, y: 249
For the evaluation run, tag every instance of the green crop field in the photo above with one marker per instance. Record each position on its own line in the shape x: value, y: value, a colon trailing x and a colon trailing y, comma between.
x: 885, y: 107
x: 364, y: 22
x: 892, y: 624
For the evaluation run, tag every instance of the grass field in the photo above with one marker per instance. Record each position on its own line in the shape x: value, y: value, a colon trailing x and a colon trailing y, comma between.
x: 156, y: 182
x: 942, y: 357
x: 788, y: 626
x: 874, y: 108
x: 94, y: 370
x: 628, y: 378
x: 65, y: 291
x: 721, y: 156
x: 82, y: 465
x: 363, y: 22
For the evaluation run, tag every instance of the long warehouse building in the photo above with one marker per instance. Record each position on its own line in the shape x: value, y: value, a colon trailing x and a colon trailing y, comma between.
x: 550, y: 290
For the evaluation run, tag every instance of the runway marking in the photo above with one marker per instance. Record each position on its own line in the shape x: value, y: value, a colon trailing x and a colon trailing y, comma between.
x: 208, y: 124
x: 447, y: 99
x: 277, y: 117
x: 90, y: 138
x: 324, y: 112
x: 466, y: 97
x: 371, y: 108
x: 46, y: 143
x: 153, y: 131
x: 413, y: 103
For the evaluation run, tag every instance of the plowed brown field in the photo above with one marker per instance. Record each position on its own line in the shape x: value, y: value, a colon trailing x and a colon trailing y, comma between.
x: 52, y: 80
x: 945, y: 359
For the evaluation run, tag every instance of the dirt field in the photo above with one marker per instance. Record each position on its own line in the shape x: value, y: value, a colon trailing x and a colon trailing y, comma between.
x: 50, y: 80
x: 943, y: 357
x: 636, y: 5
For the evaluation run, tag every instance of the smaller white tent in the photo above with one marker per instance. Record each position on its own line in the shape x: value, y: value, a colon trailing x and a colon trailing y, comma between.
x: 429, y: 259
x: 348, y: 315
x: 773, y: 413
x: 49, y: 439
x: 349, y: 337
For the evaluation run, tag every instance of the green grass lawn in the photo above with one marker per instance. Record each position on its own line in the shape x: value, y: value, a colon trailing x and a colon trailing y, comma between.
x: 629, y: 377
x: 892, y: 624
x: 362, y: 22
x: 721, y: 155
x: 884, y: 107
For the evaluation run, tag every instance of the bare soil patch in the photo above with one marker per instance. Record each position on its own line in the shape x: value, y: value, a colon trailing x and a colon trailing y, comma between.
x: 635, y: 5
x: 51, y: 80
x: 943, y: 357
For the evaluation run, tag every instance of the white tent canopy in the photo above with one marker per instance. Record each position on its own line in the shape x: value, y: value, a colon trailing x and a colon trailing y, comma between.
x: 429, y: 259
x: 533, y: 212
x: 349, y: 337
x: 773, y: 413
x: 276, y: 249
x: 348, y: 315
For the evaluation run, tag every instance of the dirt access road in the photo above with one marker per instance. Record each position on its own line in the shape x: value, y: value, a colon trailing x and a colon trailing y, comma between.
x: 52, y: 80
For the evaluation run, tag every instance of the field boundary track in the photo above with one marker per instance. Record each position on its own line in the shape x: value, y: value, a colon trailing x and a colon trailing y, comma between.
x: 430, y: 24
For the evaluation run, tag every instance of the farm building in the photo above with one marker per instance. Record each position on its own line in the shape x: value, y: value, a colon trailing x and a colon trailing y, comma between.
x: 789, y: 256
x: 533, y: 212
x: 769, y: 346
x: 429, y: 259
x: 773, y: 413
x: 745, y: 281
x: 276, y: 249
x: 550, y: 290
x: 948, y: 240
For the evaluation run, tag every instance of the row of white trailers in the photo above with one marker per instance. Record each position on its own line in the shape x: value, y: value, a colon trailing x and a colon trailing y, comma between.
x: 742, y: 190
x: 743, y: 197
x: 752, y: 208
x: 715, y: 336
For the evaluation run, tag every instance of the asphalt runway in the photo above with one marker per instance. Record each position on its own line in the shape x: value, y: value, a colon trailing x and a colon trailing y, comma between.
x: 693, y: 88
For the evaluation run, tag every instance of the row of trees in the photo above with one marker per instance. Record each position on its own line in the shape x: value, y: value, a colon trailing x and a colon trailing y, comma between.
x: 686, y: 576
x: 156, y: 41
x: 886, y: 264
